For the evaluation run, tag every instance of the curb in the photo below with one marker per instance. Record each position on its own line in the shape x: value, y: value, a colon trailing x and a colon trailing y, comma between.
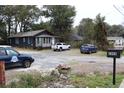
x: 122, y: 84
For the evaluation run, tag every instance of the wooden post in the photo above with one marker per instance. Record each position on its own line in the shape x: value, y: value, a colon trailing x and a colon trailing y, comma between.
x: 2, y: 73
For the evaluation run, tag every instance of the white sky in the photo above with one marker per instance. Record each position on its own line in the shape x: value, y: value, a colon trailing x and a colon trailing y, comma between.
x: 84, y: 8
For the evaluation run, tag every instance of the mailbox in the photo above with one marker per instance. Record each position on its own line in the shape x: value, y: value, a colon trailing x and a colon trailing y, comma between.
x: 114, y: 53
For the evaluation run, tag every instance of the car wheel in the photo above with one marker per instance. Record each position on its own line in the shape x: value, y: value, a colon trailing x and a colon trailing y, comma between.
x: 27, y: 64
x: 54, y: 50
x: 90, y: 52
x: 60, y: 49
x: 81, y: 52
x: 69, y: 48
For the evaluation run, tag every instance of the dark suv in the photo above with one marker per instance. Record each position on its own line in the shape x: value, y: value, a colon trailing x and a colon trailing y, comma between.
x: 88, y: 48
x: 12, y: 57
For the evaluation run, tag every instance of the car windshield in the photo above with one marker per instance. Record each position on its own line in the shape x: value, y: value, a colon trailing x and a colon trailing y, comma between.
x: 58, y: 44
x: 11, y: 52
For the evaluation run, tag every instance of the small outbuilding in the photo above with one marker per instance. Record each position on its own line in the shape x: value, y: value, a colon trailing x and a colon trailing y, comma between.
x: 35, y: 39
x: 117, y: 42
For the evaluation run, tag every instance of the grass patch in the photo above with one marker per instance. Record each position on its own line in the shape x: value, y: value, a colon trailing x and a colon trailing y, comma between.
x: 97, y: 80
x: 123, y: 53
x: 101, y: 53
x: 28, y: 80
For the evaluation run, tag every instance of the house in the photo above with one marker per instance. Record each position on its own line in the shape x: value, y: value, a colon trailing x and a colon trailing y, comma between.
x: 75, y: 40
x: 117, y: 42
x: 35, y: 39
x: 75, y: 37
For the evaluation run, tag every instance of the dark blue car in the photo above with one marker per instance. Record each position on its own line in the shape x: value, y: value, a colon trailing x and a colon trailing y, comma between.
x: 12, y: 57
x: 88, y: 48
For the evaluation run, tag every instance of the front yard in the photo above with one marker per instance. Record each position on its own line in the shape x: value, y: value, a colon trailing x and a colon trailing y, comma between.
x: 38, y: 80
x: 83, y: 68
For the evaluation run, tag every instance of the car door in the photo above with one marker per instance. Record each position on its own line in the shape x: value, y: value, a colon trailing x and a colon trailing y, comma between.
x: 65, y: 46
x: 12, y: 56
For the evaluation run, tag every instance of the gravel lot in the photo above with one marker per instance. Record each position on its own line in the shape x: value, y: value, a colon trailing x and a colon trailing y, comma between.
x: 80, y: 63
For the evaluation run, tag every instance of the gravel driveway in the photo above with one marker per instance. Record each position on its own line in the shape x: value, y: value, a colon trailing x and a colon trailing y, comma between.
x: 48, y: 59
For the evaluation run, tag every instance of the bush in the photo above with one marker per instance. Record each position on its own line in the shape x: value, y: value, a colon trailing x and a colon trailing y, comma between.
x: 75, y: 44
x: 27, y: 81
x: 31, y: 80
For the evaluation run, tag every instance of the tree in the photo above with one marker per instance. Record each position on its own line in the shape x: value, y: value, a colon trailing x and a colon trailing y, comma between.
x: 26, y: 16
x: 100, y: 32
x: 86, y: 30
x: 42, y: 25
x: 3, y: 33
x: 8, y: 14
x: 61, y: 19
x: 20, y: 18
x: 115, y: 30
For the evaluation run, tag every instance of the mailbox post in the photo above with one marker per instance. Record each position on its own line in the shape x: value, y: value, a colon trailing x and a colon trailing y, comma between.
x: 2, y: 73
x: 114, y: 53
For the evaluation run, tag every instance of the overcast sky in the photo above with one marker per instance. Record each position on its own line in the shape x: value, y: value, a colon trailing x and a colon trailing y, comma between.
x: 84, y: 8
x: 90, y: 8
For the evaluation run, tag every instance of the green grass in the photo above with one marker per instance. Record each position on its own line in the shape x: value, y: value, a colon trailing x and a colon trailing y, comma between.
x: 78, y: 80
x: 123, y: 53
x: 30, y: 80
x: 100, y: 53
x: 97, y: 80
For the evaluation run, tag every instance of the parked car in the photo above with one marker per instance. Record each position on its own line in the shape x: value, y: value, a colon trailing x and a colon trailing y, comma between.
x: 13, y: 58
x: 88, y: 48
x: 61, y: 46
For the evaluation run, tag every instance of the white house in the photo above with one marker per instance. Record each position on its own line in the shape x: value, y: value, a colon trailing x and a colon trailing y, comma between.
x: 118, y: 42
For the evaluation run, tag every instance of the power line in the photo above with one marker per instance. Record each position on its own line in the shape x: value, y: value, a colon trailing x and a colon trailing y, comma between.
x: 118, y: 10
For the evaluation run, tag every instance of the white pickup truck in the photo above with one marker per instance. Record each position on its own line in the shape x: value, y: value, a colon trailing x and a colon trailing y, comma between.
x: 61, y: 46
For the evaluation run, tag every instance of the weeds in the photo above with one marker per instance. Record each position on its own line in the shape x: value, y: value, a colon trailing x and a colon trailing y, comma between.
x: 96, y: 80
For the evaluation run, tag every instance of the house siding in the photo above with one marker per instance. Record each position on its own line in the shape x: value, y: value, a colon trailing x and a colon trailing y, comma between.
x: 117, y: 42
x: 44, y: 41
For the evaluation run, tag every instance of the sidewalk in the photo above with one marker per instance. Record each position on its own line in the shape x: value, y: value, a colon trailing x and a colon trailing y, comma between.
x: 122, y: 84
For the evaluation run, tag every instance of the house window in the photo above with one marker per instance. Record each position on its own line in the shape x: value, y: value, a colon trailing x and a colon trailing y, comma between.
x: 37, y: 40
x: 49, y: 40
x: 28, y: 40
x: 44, y: 40
x: 17, y: 40
x: 10, y: 41
x: 23, y: 39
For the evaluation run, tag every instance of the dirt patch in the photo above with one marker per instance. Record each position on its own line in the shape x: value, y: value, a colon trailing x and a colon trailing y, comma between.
x: 92, y: 67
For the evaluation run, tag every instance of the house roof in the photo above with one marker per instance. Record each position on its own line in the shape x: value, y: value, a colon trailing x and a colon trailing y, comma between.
x: 114, y: 38
x: 46, y: 36
x: 27, y: 34
x: 75, y: 37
